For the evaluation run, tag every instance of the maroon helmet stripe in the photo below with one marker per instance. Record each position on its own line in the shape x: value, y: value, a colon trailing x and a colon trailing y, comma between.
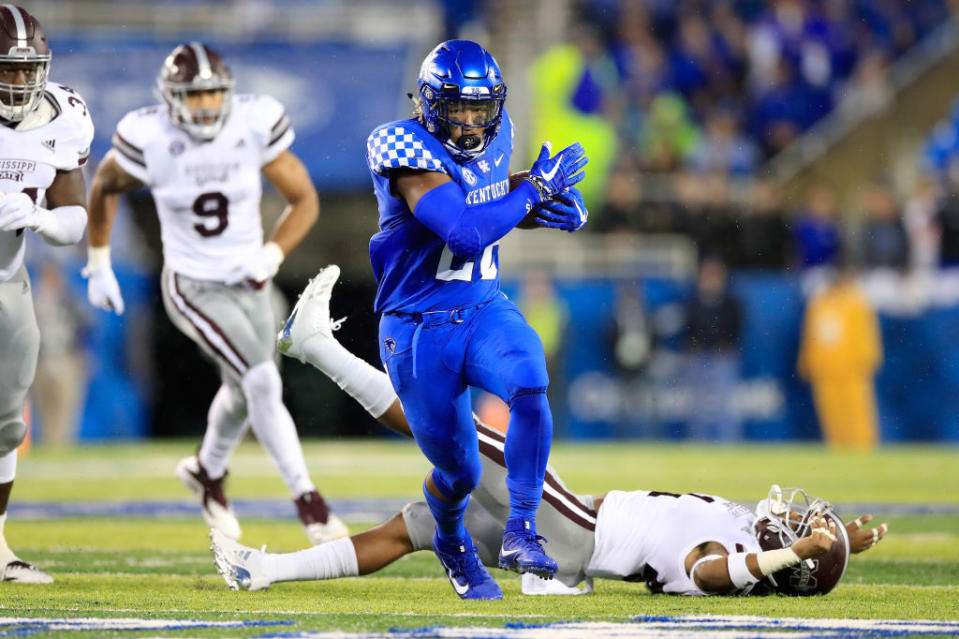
x: 20, y: 24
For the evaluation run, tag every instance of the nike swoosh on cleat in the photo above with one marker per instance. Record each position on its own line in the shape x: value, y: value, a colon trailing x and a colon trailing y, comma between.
x: 549, y: 176
x: 460, y: 589
x: 508, y: 553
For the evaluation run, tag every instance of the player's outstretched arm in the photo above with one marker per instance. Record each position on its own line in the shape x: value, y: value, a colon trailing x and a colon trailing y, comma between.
x: 108, y: 183
x: 60, y: 224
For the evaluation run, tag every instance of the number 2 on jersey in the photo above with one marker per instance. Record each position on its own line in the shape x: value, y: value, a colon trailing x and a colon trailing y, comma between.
x: 446, y: 272
x: 212, y: 204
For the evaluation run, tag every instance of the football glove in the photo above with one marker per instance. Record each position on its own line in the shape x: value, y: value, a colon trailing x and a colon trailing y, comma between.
x: 18, y: 211
x: 103, y: 291
x: 566, y: 211
x: 550, y: 175
x: 258, y: 268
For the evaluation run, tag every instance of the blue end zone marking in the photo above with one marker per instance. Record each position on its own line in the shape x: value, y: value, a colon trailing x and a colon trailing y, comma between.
x: 29, y: 627
x: 663, y: 627
x: 350, y: 510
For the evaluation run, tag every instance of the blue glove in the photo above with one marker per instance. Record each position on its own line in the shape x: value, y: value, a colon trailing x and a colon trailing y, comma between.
x: 565, y: 211
x: 550, y: 175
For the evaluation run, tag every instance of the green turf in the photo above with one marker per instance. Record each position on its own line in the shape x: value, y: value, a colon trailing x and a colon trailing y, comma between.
x: 115, y: 567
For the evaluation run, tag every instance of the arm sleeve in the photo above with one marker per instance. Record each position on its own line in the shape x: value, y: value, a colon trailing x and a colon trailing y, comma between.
x: 469, y: 230
x: 63, y: 225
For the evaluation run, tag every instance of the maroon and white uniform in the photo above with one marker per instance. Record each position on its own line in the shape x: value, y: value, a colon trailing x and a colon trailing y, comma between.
x: 207, y: 193
x: 54, y: 137
x: 641, y: 535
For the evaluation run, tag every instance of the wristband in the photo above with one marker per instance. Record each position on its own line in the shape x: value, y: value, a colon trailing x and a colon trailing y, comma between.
x: 739, y: 573
x: 98, y: 256
x: 771, y: 561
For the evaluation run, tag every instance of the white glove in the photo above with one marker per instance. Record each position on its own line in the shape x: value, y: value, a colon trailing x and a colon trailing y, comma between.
x: 18, y: 211
x: 103, y: 291
x: 258, y: 268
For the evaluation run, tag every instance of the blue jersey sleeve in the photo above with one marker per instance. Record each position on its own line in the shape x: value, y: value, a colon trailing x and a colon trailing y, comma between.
x: 403, y: 146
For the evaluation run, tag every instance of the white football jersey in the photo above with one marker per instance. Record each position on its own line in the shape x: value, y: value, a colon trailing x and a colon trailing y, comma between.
x: 54, y: 137
x: 207, y: 194
x: 646, y: 535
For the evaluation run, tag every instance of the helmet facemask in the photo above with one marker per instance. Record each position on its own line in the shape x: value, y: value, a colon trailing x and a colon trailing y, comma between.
x: 785, y: 516
x: 200, y: 123
x: 481, y: 115
x: 17, y: 100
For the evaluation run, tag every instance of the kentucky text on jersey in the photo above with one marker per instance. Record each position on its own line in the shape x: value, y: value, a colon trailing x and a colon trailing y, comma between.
x: 488, y: 193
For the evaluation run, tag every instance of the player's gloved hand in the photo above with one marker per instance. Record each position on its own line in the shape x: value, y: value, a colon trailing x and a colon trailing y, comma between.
x: 103, y: 291
x: 18, y: 211
x: 258, y: 268
x: 566, y: 211
x: 550, y: 175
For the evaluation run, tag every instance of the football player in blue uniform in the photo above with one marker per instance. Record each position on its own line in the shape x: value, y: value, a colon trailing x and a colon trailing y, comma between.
x: 442, y: 180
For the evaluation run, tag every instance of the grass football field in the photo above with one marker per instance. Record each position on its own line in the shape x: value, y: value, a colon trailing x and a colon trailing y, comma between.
x: 130, y: 555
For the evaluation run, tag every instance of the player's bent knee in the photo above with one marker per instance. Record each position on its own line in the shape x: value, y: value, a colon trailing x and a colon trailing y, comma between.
x: 12, y: 433
x: 263, y: 382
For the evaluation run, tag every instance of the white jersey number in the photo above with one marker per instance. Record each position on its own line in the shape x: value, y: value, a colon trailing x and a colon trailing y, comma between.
x: 211, y: 205
x: 446, y: 272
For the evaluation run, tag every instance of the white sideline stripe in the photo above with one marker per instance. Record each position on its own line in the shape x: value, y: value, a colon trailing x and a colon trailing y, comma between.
x: 202, y: 325
x: 576, y: 508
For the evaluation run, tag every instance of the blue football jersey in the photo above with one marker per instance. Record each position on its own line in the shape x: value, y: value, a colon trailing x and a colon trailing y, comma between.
x: 414, y: 268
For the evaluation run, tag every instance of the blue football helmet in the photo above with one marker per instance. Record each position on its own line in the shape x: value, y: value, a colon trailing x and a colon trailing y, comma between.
x: 461, y: 85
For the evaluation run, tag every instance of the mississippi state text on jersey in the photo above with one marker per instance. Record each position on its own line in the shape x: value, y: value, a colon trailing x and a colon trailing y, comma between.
x: 207, y: 193
x: 54, y: 137
x: 415, y: 269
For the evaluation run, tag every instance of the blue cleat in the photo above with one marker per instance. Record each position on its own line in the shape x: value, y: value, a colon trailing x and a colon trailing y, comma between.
x: 469, y: 578
x: 523, y: 553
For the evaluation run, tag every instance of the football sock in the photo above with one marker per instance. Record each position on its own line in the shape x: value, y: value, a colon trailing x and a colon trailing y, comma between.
x: 326, y: 561
x: 448, y: 516
x: 369, y: 386
x: 274, y: 427
x: 528, y: 440
x: 225, y: 427
x: 3, y: 540
x: 8, y: 467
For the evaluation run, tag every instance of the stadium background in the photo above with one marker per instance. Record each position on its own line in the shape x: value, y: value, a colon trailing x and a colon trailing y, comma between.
x: 699, y: 144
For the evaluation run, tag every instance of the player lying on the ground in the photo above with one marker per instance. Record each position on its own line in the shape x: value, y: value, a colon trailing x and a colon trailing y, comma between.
x: 683, y: 544
x: 690, y: 544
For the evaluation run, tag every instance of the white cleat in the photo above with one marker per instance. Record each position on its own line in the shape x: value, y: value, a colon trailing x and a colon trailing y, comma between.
x: 15, y: 570
x: 333, y: 529
x: 310, y: 319
x: 242, y: 568
x: 217, y: 512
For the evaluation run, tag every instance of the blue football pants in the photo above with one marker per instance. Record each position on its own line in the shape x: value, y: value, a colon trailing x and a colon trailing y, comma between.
x: 431, y: 365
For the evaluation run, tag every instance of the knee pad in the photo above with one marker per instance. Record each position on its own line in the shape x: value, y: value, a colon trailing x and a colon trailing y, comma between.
x: 12, y: 433
x: 459, y: 483
x: 262, y: 382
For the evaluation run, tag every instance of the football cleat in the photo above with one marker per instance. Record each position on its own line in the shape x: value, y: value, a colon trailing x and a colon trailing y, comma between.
x: 467, y: 575
x: 242, y: 568
x: 320, y: 524
x: 523, y: 553
x: 217, y: 512
x: 310, y: 320
x: 15, y: 570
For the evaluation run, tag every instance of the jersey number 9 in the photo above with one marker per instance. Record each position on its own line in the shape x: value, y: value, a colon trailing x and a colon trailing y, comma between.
x: 213, y: 205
